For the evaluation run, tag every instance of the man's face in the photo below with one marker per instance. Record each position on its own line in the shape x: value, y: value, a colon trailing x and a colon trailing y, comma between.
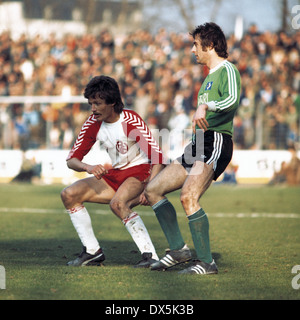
x: 200, y: 54
x: 102, y: 111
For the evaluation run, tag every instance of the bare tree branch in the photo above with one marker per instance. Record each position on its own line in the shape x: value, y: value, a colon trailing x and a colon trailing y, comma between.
x: 185, y: 14
x: 215, y: 10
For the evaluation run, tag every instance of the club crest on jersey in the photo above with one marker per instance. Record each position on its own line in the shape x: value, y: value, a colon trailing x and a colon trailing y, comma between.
x: 209, y: 85
x: 122, y: 147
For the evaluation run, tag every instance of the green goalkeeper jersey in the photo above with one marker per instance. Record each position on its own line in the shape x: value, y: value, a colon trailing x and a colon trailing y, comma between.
x: 221, y: 92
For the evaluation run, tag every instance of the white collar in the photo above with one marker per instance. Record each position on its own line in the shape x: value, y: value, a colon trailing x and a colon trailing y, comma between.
x: 218, y: 66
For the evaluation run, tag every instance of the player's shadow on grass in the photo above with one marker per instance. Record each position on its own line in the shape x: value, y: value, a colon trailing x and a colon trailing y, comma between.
x: 59, y: 252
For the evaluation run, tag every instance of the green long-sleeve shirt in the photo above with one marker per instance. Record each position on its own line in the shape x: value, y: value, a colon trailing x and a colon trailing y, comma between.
x: 221, y: 92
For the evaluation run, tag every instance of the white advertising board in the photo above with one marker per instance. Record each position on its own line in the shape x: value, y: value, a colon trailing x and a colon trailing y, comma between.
x: 258, y: 166
x: 254, y: 166
x: 10, y: 164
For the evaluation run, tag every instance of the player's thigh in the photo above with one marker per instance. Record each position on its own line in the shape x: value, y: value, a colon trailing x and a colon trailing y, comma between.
x: 91, y: 190
x: 126, y: 197
x: 169, y: 179
x: 130, y: 189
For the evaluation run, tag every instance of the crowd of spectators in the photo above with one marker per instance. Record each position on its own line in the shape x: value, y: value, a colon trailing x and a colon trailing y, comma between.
x: 159, y: 78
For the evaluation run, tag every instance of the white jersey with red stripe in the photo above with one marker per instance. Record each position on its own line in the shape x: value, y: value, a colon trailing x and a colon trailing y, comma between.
x: 129, y: 142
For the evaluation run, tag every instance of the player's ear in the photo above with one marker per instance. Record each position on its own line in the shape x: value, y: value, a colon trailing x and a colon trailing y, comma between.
x: 210, y: 47
x: 115, y: 107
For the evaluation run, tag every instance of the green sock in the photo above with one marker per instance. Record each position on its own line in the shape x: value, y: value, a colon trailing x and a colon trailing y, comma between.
x: 199, y: 227
x: 166, y: 216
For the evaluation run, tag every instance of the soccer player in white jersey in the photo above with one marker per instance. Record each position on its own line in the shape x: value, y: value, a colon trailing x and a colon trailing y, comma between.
x: 136, y: 159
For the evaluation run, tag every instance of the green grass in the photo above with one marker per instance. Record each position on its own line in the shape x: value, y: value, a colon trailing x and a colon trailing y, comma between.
x: 255, y: 253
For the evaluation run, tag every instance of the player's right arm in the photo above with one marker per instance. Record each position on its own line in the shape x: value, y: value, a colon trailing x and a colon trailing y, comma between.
x: 83, y: 144
x: 199, y: 118
x: 97, y: 170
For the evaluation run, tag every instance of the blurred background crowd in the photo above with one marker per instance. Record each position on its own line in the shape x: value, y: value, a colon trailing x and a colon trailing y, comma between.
x: 159, y: 78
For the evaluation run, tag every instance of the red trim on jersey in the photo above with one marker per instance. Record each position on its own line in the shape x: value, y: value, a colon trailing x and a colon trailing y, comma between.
x: 86, y: 138
x: 135, y: 128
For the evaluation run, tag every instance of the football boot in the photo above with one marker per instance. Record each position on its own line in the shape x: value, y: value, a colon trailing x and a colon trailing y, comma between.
x: 172, y: 258
x: 201, y: 268
x: 87, y: 259
x: 146, y: 261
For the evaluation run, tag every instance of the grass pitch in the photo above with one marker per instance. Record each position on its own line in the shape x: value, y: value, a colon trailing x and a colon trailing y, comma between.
x: 254, y: 233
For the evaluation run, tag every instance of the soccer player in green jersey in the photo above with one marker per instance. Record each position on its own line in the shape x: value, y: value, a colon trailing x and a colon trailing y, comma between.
x: 204, y: 159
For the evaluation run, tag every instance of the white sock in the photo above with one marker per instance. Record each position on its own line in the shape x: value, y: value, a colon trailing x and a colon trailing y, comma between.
x: 135, y: 226
x: 83, y: 225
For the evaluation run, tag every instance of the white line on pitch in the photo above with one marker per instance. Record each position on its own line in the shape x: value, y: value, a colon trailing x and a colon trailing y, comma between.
x: 151, y: 213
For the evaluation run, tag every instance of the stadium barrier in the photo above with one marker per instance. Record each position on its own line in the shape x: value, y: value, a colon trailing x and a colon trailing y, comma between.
x: 253, y: 166
x: 258, y: 166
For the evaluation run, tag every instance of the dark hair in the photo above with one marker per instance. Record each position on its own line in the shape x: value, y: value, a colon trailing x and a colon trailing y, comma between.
x: 211, y: 34
x: 105, y: 88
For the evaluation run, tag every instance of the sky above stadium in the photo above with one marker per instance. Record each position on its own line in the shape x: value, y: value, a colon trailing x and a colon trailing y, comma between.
x: 266, y: 14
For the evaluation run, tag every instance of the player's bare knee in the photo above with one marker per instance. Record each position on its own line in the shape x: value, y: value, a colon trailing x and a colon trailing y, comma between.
x: 63, y: 195
x: 66, y: 195
x: 187, y: 200
x: 149, y: 193
x: 117, y: 206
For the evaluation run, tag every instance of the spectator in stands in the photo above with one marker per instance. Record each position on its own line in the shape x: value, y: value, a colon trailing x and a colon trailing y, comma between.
x: 158, y: 65
x: 289, y: 172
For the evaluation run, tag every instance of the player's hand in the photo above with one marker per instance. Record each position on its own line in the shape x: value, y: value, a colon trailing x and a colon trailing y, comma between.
x: 199, y: 118
x: 143, y: 200
x: 98, y: 170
